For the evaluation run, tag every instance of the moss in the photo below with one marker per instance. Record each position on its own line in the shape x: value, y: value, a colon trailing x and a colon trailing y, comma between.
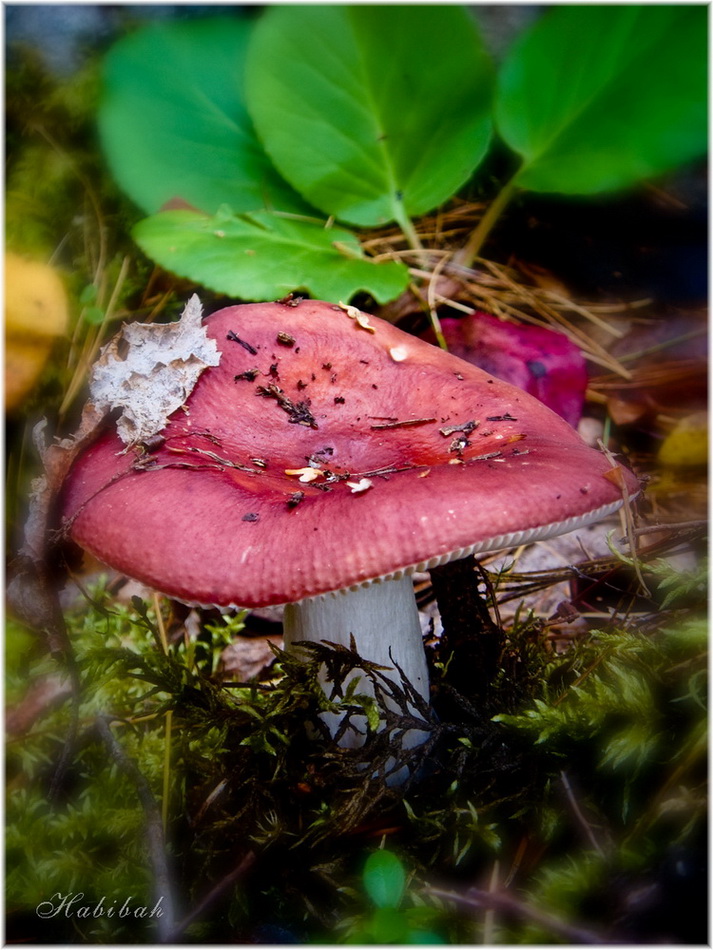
x: 592, y: 777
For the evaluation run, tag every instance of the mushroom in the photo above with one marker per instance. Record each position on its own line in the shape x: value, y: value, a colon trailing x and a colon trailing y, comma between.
x: 327, y: 457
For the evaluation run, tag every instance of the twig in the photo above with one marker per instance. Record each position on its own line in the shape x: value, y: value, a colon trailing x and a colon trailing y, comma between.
x: 33, y: 592
x: 91, y: 347
x: 671, y: 526
x: 656, y: 348
x: 168, y: 721
x: 539, y: 303
x: 216, y: 892
x: 498, y: 900
x: 154, y: 827
x: 628, y: 516
x: 435, y: 322
x: 579, y: 814
x: 467, y: 254
x: 489, y: 919
x: 89, y: 192
x: 404, y: 422
x: 517, y: 861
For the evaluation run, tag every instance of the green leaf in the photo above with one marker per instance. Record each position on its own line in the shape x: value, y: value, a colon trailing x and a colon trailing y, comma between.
x: 264, y: 256
x: 94, y: 315
x: 373, y: 112
x: 371, y: 710
x: 173, y: 122
x: 389, y: 926
x: 596, y: 98
x: 384, y: 878
x: 88, y: 295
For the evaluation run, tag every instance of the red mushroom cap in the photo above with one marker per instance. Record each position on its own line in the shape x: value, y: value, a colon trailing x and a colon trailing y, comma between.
x: 416, y: 457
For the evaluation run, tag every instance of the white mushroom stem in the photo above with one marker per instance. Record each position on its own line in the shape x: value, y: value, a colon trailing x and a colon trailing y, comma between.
x: 384, y: 621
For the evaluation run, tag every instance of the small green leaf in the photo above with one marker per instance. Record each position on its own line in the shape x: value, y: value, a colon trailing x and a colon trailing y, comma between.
x: 597, y: 98
x: 264, y: 256
x: 88, y: 295
x: 94, y: 315
x: 375, y: 111
x: 371, y: 710
x: 173, y: 123
x: 384, y: 878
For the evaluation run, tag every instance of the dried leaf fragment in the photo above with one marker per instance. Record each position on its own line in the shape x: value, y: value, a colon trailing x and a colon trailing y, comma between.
x: 149, y: 370
x: 616, y: 477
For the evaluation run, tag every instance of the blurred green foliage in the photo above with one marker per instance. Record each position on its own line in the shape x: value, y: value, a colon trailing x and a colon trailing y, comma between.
x: 333, y: 109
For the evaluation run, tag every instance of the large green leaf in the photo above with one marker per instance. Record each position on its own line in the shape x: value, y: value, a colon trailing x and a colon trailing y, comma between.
x: 373, y: 112
x: 173, y: 122
x: 263, y: 256
x: 596, y: 98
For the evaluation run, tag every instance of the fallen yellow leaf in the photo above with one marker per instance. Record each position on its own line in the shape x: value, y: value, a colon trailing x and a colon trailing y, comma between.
x: 36, y: 313
x: 687, y: 443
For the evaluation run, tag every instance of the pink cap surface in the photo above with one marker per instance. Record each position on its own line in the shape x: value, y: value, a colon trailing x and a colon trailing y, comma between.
x: 416, y: 456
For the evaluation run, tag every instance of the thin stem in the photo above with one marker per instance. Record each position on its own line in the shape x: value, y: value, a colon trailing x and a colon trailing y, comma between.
x: 438, y: 329
x: 656, y: 348
x: 671, y: 526
x: 435, y: 322
x: 89, y: 191
x: 467, y: 254
x: 628, y: 518
x: 159, y: 623
x: 489, y: 917
x: 166, y: 769
x: 500, y: 900
x: 91, y: 348
x: 579, y: 814
x: 168, y: 722
x: 154, y: 829
x: 406, y: 225
x: 221, y: 888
